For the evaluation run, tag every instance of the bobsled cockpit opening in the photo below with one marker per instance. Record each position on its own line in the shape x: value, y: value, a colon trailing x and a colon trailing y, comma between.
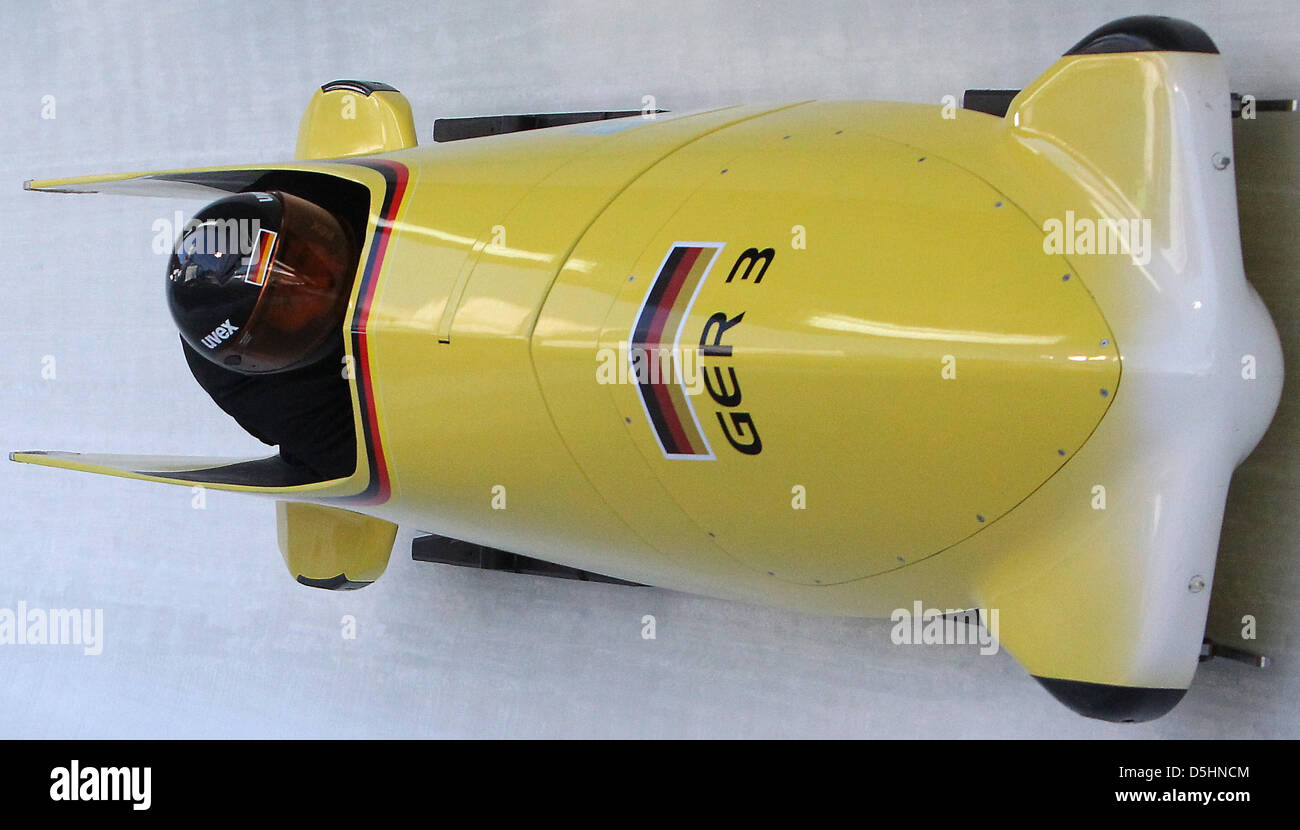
x: 259, y: 286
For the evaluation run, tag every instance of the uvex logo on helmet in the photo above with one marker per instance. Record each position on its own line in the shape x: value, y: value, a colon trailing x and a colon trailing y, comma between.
x: 220, y: 334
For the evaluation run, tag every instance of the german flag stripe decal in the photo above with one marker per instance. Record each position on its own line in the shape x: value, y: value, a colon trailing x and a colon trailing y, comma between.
x: 260, y: 262
x: 655, y: 349
x: 395, y: 177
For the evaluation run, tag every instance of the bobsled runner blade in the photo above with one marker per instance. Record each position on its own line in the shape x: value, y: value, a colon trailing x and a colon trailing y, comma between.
x: 479, y: 126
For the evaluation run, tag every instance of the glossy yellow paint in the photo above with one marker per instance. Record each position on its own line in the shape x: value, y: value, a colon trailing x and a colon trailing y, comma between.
x: 1075, y: 585
x: 935, y: 392
x: 907, y: 310
x: 467, y: 428
x: 1132, y: 155
x: 345, y: 121
x: 323, y: 543
x: 158, y: 469
x: 507, y: 275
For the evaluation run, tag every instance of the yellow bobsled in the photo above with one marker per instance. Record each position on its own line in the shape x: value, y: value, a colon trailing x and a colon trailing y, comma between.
x: 837, y: 356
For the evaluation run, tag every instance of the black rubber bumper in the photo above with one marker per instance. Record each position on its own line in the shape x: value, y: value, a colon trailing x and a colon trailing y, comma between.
x: 1118, y: 704
x: 1146, y: 33
x: 334, y: 583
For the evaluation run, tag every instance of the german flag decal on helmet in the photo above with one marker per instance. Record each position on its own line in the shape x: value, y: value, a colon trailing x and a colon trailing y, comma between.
x: 259, y: 261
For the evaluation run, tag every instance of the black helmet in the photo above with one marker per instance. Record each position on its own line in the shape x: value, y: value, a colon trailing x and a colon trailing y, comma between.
x: 259, y: 282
